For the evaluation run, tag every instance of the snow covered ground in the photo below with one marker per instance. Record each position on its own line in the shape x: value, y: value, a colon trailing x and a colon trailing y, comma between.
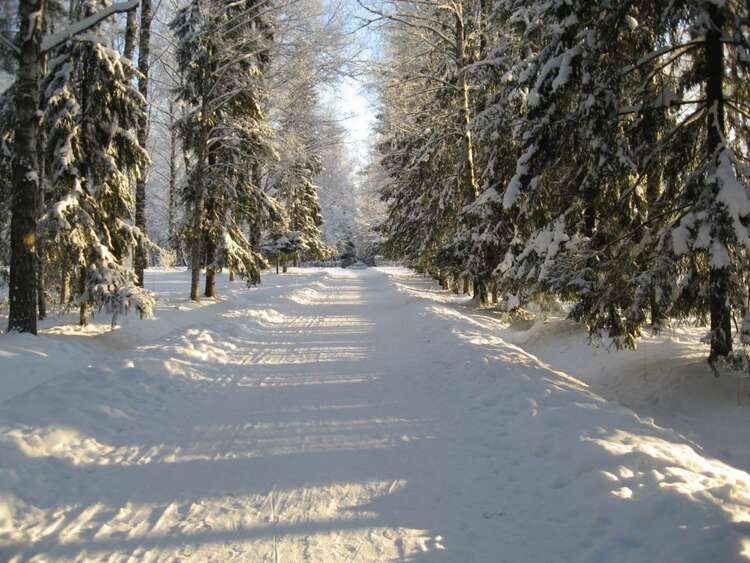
x: 362, y: 415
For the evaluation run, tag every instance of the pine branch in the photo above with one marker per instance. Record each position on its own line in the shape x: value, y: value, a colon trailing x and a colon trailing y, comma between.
x: 684, y: 48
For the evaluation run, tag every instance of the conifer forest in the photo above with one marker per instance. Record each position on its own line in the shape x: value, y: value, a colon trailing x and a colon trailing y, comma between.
x: 375, y: 280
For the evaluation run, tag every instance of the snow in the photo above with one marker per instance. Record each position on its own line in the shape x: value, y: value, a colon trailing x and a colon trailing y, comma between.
x: 733, y: 194
x: 522, y: 169
x: 362, y: 415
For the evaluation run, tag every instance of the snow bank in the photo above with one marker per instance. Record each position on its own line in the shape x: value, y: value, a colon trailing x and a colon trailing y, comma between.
x: 608, y: 483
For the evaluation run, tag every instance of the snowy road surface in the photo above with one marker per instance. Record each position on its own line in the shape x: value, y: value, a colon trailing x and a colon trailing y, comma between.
x: 336, y: 416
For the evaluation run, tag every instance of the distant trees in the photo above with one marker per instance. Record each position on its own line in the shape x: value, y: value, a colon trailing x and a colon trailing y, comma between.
x: 74, y: 128
x: 609, y: 145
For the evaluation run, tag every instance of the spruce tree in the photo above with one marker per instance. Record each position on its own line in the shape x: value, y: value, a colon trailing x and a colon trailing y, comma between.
x: 91, y: 118
x: 221, y: 52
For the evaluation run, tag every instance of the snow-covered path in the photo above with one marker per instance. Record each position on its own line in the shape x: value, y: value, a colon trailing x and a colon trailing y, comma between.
x: 343, y: 416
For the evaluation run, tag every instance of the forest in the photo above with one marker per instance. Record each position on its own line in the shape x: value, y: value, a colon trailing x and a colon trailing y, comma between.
x: 594, y: 153
x: 535, y: 152
x: 183, y: 133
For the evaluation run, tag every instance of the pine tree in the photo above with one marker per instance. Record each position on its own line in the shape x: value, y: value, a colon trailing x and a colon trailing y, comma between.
x: 295, y: 188
x: 704, y: 241
x: 221, y: 50
x: 91, y: 117
x: 610, y: 154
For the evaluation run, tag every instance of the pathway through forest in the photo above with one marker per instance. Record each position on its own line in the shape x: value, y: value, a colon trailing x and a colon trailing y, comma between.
x: 343, y: 415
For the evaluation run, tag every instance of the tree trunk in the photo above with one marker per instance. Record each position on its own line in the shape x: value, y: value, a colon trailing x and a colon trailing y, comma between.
x: 465, y: 289
x: 721, y: 317
x: 277, y: 263
x: 83, y: 318
x: 443, y: 280
x: 283, y: 265
x: 141, y: 256
x: 130, y: 33
x: 172, y: 196
x: 23, y: 280
x: 196, y: 254
x: 41, y: 299
x: 471, y: 187
x: 198, y: 210
x: 231, y: 275
x: 480, y: 292
x: 210, y: 290
x: 65, y: 286
x: 495, y: 295
x: 255, y: 230
x: 653, y: 191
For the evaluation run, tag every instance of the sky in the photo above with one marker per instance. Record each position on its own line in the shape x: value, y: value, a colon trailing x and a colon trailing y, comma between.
x: 355, y: 103
x: 360, y: 116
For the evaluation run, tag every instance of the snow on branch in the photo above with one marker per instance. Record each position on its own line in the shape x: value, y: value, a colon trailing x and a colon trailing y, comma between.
x: 57, y: 39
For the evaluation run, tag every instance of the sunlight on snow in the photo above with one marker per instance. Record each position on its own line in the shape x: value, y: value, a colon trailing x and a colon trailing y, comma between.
x: 338, y: 527
x: 684, y: 471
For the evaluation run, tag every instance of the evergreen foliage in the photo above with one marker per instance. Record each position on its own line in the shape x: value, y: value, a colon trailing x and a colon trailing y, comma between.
x: 91, y: 117
x: 221, y: 52
x: 610, y: 144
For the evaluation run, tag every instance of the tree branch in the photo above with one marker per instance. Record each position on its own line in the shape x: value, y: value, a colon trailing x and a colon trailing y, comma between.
x: 57, y: 39
x: 9, y: 44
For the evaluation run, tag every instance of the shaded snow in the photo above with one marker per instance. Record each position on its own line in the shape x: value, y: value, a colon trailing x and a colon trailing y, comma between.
x: 343, y: 415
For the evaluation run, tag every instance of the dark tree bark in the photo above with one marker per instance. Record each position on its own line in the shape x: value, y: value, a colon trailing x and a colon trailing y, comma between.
x: 141, y: 256
x: 196, y: 254
x: 255, y: 229
x: 130, y: 32
x: 210, y: 290
x: 721, y: 318
x: 41, y: 297
x: 480, y: 293
x: 83, y: 318
x: 24, y: 208
x: 172, y: 196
